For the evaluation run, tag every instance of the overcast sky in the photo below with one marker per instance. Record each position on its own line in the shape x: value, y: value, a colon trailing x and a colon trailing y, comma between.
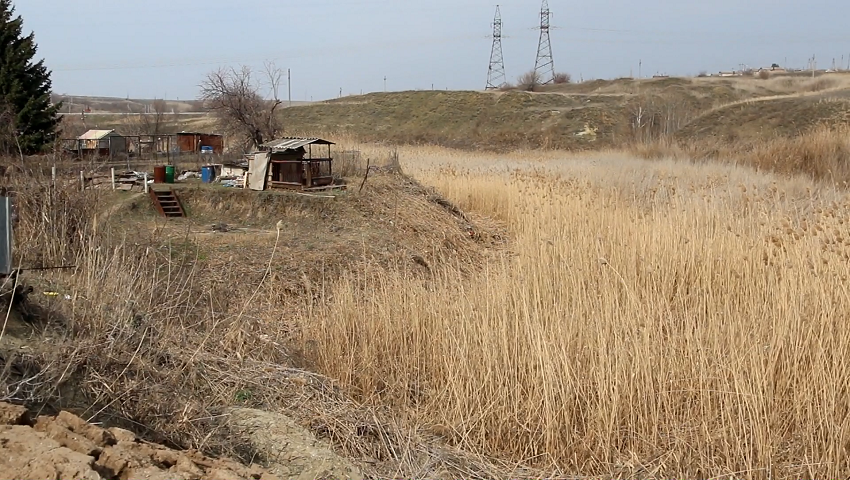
x: 164, y: 48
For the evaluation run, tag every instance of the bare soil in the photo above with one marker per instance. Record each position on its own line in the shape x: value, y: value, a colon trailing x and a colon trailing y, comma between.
x: 67, y: 447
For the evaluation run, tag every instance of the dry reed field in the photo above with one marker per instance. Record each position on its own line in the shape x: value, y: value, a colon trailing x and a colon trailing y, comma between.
x: 637, y: 319
x: 650, y: 319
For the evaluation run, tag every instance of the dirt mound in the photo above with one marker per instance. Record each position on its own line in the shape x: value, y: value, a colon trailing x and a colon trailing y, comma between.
x: 293, y: 451
x: 67, y: 447
x: 393, y: 221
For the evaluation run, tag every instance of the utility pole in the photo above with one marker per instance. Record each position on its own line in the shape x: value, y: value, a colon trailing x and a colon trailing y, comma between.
x: 544, y: 66
x: 496, y: 73
x: 289, y: 84
x: 385, y: 83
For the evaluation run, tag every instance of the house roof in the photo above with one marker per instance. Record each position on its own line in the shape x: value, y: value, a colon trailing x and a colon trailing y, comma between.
x: 95, y: 134
x: 293, y: 143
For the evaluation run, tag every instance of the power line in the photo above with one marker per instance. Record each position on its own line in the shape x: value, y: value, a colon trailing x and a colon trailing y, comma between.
x: 544, y: 66
x: 496, y: 73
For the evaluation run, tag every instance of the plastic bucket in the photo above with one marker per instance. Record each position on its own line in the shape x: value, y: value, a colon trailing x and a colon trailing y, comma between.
x: 169, y: 174
x: 159, y: 174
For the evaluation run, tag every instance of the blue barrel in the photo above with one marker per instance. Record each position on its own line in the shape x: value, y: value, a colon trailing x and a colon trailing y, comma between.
x: 208, y: 174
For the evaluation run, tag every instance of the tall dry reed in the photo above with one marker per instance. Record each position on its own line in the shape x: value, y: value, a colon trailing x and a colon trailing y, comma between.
x: 653, y: 319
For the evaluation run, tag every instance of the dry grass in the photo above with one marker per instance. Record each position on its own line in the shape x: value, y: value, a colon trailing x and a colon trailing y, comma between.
x: 822, y: 153
x: 166, y: 326
x: 648, y: 319
x: 655, y: 319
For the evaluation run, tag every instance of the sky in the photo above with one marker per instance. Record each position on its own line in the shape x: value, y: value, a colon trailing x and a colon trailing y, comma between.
x: 165, y: 48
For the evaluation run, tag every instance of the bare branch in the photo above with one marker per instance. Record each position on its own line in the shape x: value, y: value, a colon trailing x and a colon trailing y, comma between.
x: 234, y: 97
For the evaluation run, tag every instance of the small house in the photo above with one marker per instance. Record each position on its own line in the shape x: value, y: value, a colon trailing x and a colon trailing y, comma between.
x: 102, y: 143
x: 295, y: 163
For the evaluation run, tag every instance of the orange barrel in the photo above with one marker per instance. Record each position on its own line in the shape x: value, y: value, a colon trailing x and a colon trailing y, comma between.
x: 159, y: 174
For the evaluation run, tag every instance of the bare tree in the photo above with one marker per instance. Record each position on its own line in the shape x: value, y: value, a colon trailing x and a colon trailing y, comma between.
x: 246, y: 107
x: 153, y: 121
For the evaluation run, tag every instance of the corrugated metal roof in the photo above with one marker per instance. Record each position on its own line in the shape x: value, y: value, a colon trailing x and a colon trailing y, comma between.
x: 293, y: 143
x: 95, y: 134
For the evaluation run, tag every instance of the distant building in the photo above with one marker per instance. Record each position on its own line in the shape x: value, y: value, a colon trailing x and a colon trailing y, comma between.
x: 195, y: 142
x: 102, y: 143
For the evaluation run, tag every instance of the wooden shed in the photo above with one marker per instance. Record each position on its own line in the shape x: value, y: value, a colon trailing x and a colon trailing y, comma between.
x: 192, y: 142
x: 296, y: 163
x: 103, y: 143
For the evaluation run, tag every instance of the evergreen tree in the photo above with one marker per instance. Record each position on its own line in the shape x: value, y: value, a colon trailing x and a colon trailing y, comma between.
x: 29, y: 121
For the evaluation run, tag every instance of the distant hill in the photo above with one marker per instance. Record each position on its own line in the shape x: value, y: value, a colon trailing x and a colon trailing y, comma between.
x: 591, y: 115
x: 113, y: 105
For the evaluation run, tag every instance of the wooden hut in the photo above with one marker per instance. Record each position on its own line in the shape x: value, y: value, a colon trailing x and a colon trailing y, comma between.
x: 295, y: 163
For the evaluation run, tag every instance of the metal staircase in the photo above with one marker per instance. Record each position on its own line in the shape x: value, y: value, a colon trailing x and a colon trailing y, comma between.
x: 167, y: 203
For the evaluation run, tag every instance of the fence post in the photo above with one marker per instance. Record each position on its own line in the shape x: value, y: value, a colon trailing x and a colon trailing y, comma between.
x: 82, y: 181
x: 112, y: 173
x: 53, y: 175
x: 146, y: 182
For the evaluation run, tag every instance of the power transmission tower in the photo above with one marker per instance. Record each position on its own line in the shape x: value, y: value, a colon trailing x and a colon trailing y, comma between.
x: 496, y: 74
x: 545, y: 64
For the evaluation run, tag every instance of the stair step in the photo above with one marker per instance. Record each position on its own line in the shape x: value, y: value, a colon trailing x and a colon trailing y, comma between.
x: 167, y: 203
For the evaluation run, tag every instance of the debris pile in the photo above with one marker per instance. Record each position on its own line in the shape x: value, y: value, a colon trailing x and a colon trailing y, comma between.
x: 126, y: 181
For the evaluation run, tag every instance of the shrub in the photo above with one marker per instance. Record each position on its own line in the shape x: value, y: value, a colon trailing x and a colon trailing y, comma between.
x: 529, y: 81
x: 764, y: 74
x: 562, y: 78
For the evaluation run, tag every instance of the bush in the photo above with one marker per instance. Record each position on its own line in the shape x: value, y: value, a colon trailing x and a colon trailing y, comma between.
x: 562, y: 78
x: 764, y: 74
x: 529, y: 81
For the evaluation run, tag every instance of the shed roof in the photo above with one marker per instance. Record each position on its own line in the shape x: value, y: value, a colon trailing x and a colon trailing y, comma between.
x: 95, y: 134
x: 293, y: 143
x: 199, y: 133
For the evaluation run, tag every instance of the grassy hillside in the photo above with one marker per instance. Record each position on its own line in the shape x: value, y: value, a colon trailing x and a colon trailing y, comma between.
x: 593, y: 115
x: 590, y: 115
x: 786, y: 116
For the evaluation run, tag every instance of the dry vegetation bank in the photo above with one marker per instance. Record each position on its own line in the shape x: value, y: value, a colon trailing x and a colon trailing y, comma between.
x: 163, y: 326
x: 643, y: 319
x: 653, y: 319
